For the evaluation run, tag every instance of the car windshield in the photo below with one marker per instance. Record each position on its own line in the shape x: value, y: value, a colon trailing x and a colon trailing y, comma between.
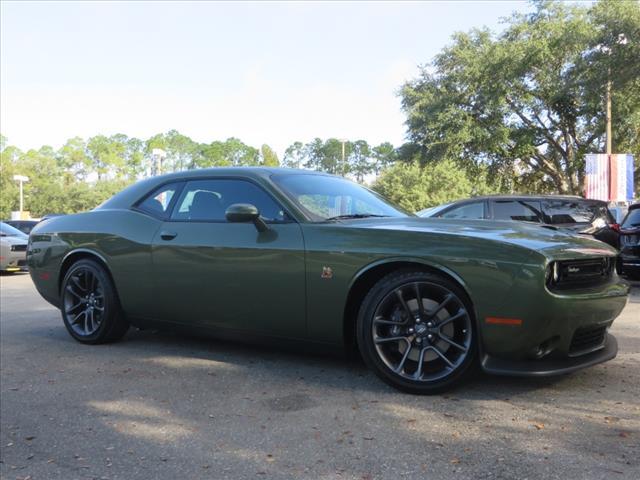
x: 323, y: 198
x: 632, y: 219
x: 9, y: 231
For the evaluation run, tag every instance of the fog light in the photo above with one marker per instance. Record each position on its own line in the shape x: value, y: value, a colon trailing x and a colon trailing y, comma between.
x: 545, y: 348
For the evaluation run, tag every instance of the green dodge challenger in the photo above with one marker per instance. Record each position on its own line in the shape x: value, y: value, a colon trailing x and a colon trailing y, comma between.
x: 288, y: 256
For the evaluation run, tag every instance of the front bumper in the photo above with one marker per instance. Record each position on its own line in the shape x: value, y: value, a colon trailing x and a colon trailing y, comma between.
x: 547, y: 367
x: 14, y: 262
x: 629, y: 259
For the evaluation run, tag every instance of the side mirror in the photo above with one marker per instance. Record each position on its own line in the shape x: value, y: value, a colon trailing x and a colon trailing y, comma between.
x: 244, y: 213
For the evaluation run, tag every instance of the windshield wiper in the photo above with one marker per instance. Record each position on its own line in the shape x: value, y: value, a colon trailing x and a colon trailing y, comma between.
x: 354, y: 215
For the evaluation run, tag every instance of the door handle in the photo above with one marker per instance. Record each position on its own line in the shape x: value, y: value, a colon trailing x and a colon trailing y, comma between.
x: 168, y: 235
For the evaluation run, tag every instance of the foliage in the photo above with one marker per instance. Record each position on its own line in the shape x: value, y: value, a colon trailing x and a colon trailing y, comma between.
x: 82, y: 174
x: 531, y: 100
x: 268, y: 157
x: 414, y: 186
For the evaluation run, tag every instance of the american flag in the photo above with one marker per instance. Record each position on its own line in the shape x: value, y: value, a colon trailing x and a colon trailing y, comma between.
x: 609, y: 177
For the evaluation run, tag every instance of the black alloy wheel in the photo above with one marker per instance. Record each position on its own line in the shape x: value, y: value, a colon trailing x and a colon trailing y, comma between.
x: 90, y: 307
x: 416, y: 331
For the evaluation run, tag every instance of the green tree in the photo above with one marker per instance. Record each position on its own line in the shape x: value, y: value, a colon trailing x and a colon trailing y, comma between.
x: 414, y: 186
x: 8, y: 187
x: 532, y: 98
x: 383, y: 156
x: 117, y: 156
x: 180, y: 150
x: 231, y: 152
x: 74, y: 159
x: 360, y: 160
x: 294, y: 155
x: 269, y: 158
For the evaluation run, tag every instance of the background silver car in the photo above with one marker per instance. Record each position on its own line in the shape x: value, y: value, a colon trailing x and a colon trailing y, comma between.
x: 13, y: 249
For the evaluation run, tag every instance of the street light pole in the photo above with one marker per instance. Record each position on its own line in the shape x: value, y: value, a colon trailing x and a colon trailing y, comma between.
x: 608, y: 112
x: 158, y: 156
x: 21, y: 179
x: 344, y: 165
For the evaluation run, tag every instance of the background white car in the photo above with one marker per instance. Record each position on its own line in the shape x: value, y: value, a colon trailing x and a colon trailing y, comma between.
x: 13, y: 249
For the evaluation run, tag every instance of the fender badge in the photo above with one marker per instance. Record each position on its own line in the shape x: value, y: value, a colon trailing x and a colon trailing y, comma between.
x: 327, y: 272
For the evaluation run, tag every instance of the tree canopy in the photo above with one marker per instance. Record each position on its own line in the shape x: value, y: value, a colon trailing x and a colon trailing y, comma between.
x: 415, y: 187
x: 83, y: 173
x: 529, y: 102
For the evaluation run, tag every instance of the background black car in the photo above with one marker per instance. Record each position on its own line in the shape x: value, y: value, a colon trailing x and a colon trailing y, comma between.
x: 579, y: 215
x: 629, y: 260
x: 25, y: 226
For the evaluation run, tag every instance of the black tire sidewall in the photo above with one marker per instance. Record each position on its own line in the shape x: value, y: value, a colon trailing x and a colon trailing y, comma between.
x: 111, y: 305
x: 365, y: 341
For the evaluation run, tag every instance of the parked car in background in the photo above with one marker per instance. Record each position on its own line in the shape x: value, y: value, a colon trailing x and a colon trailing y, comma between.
x: 618, y: 211
x: 13, y: 249
x: 25, y: 226
x: 576, y: 214
x: 273, y: 255
x: 629, y: 259
x: 51, y: 215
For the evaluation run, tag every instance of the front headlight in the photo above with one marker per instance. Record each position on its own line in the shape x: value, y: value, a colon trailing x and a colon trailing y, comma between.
x: 552, y: 275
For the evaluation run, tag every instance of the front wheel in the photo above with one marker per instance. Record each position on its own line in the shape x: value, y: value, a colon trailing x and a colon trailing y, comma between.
x: 90, y: 307
x: 415, y: 330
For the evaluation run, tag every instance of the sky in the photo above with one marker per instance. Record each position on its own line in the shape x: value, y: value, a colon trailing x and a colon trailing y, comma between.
x: 265, y: 72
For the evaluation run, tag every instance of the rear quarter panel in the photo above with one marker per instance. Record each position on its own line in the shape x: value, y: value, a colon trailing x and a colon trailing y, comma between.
x: 122, y: 238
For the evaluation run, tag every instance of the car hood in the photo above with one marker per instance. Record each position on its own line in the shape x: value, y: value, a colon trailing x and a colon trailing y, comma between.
x: 551, y: 242
x: 11, y: 240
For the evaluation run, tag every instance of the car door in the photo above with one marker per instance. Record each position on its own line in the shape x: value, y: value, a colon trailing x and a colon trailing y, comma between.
x: 213, y: 273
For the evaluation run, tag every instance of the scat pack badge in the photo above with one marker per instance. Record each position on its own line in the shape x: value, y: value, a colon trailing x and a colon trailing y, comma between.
x: 327, y: 272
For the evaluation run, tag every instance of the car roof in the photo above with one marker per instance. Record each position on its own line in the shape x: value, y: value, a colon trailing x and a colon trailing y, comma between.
x: 528, y: 197
x: 241, y: 171
x: 126, y: 197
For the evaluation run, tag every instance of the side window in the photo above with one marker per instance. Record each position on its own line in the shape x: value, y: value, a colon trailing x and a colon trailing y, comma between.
x: 469, y: 211
x: 158, y: 202
x: 208, y: 200
x: 559, y: 212
x: 520, y: 210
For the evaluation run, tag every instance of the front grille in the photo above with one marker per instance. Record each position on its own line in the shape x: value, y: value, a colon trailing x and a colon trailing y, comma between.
x: 19, y: 248
x: 22, y: 263
x: 587, y: 339
x: 567, y: 274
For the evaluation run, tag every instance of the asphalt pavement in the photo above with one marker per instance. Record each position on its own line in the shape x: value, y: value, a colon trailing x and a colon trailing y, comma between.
x: 162, y: 406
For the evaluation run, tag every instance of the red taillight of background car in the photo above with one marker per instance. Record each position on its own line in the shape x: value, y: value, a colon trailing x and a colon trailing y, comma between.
x: 615, y: 227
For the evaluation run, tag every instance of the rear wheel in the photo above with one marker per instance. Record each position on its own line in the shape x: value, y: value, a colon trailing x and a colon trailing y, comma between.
x: 415, y: 330
x: 90, y: 307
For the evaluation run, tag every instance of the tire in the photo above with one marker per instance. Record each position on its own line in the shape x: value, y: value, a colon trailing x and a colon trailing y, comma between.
x: 421, y: 351
x: 89, y: 304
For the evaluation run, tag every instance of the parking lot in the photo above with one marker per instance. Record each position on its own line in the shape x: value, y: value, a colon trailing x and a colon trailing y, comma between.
x: 162, y: 406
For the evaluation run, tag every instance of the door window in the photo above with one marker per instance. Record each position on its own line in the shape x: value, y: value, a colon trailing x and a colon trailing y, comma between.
x: 158, y: 203
x: 468, y: 211
x: 520, y: 210
x: 208, y: 200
